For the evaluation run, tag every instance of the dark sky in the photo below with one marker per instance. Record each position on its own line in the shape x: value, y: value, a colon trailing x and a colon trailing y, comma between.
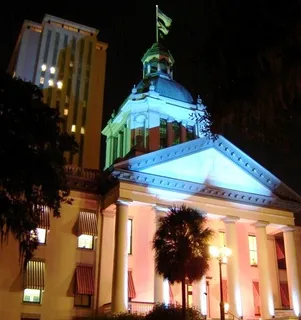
x: 129, y: 30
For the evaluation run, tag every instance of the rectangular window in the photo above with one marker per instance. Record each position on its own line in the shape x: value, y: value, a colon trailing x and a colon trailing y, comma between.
x: 253, y: 250
x: 176, y: 132
x: 46, y: 51
x: 41, y: 235
x: 56, y: 48
x: 85, y: 241
x: 82, y: 300
x: 32, y: 296
x: 189, y: 133
x: 121, y: 137
x: 130, y: 235
x: 222, y: 239
x: 115, y: 148
x: 163, y: 133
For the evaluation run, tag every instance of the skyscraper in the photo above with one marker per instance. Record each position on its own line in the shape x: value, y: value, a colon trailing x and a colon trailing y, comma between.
x: 67, y: 62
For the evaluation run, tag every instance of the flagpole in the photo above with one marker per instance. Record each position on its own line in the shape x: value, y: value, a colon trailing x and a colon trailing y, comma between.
x: 157, y: 32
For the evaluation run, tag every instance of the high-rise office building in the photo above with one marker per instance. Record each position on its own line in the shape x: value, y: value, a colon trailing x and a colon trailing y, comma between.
x: 67, y: 62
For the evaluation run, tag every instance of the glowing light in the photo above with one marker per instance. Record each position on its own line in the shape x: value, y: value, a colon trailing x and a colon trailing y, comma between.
x: 226, y: 306
x: 50, y: 82
x: 73, y: 128
x: 221, y: 253
x: 65, y: 112
x: 271, y: 305
x: 166, y: 297
x: 238, y: 302
x: 82, y: 130
x: 59, y: 84
x: 43, y: 67
x: 52, y: 70
x: 42, y: 80
x: 296, y: 305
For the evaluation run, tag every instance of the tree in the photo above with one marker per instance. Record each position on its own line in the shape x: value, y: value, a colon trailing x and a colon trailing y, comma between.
x: 181, y: 246
x: 32, y: 173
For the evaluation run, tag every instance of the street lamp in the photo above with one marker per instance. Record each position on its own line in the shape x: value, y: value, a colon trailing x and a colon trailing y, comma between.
x: 221, y: 254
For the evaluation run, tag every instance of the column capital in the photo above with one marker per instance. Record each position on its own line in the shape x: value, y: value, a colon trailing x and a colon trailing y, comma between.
x: 260, y: 224
x: 160, y: 208
x: 124, y: 201
x: 288, y: 228
x: 230, y: 219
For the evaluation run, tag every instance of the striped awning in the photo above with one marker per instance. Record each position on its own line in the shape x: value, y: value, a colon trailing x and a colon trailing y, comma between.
x: 87, y: 223
x: 34, y: 275
x: 84, y: 282
x: 131, y: 286
x: 44, y: 218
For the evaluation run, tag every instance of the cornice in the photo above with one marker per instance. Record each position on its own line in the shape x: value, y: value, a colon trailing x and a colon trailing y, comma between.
x: 84, y: 180
x: 200, y: 189
x: 225, y: 147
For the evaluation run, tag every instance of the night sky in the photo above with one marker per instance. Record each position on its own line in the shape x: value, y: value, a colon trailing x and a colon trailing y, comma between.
x: 129, y: 30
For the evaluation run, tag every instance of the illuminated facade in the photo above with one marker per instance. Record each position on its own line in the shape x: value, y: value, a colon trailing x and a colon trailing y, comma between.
x: 157, y: 154
x: 98, y: 256
x: 67, y: 62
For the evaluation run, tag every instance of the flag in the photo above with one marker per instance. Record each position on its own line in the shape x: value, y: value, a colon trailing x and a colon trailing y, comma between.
x: 163, y: 22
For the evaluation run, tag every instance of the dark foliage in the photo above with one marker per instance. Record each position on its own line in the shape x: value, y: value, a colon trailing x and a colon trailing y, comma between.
x: 170, y: 312
x: 119, y: 316
x: 32, y: 161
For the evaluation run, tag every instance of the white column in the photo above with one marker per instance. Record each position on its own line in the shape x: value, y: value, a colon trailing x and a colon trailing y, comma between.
x: 199, y: 295
x: 120, y: 268
x: 234, y: 291
x: 161, y: 291
x: 292, y: 269
x: 265, y: 283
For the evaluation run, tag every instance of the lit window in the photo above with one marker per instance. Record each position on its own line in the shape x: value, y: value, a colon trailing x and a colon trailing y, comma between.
x: 42, y: 80
x: 60, y: 84
x: 41, y: 235
x: 82, y: 300
x: 253, y: 251
x: 130, y: 233
x: 222, y: 239
x: 85, y: 241
x: 52, y: 70
x: 50, y: 82
x: 32, y: 295
x: 65, y: 112
x: 82, y: 130
x: 73, y: 128
x: 43, y: 67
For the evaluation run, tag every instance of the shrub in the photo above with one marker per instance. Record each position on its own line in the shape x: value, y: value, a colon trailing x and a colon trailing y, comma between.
x: 119, y: 316
x: 171, y: 312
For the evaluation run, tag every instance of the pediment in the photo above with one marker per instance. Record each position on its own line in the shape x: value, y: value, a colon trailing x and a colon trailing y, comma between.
x: 211, y: 168
x: 214, y: 163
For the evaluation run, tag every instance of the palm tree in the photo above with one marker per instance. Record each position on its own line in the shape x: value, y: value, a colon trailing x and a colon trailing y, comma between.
x: 181, y: 246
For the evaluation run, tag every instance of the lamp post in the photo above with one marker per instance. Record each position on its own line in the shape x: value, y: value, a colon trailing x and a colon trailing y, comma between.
x: 221, y: 254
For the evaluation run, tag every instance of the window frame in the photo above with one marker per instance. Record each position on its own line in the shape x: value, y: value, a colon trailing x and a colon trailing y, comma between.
x: 252, y: 250
x: 84, y: 248
x: 130, y: 237
x: 81, y: 305
x: 33, y: 302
